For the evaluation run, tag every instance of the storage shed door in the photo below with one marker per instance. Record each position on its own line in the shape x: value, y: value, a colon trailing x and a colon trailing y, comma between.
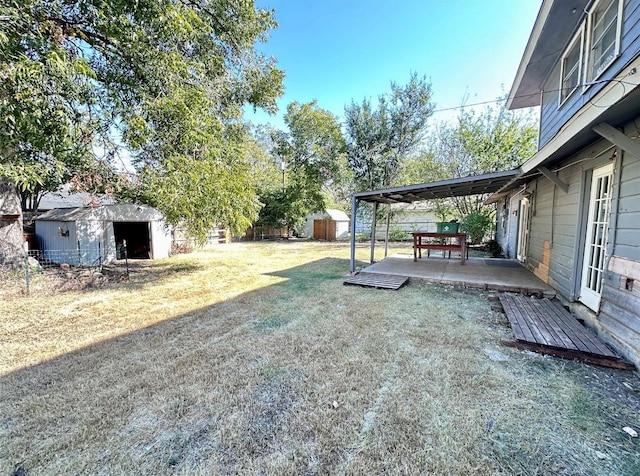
x: 324, y: 230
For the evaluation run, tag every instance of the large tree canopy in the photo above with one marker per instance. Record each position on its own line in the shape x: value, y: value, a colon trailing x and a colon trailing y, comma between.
x: 312, y: 152
x: 477, y: 142
x: 379, y: 138
x: 490, y: 140
x: 313, y: 148
x: 166, y: 79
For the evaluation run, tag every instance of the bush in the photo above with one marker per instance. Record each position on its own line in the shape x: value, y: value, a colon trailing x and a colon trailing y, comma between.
x: 362, y: 237
x: 398, y: 235
x: 477, y: 226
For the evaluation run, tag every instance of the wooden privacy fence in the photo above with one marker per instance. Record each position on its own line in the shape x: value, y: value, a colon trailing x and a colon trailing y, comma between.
x: 264, y: 233
x: 324, y: 230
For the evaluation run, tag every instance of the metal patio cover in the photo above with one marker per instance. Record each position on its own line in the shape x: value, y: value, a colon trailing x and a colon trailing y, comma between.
x: 458, y: 187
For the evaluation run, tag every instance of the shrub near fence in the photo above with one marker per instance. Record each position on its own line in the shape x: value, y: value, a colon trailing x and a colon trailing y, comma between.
x: 69, y: 261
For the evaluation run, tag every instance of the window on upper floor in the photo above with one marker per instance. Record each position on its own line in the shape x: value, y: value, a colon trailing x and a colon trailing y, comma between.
x: 593, y: 48
x: 571, y: 67
x: 604, y: 24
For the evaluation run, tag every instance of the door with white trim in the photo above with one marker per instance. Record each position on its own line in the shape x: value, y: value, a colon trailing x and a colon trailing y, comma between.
x: 523, y: 229
x: 596, y: 237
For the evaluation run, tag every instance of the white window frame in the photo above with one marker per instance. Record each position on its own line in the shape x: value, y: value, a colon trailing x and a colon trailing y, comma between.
x: 589, y: 43
x: 579, y: 37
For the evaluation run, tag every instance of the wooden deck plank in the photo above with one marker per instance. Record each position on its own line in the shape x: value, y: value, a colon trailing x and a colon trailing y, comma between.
x: 563, y: 320
x: 563, y: 339
x: 513, y: 319
x: 518, y: 322
x: 524, y: 323
x: 380, y: 278
x: 596, y: 346
x: 537, y: 317
x: 572, y: 328
x: 541, y: 333
x: 556, y: 336
x: 572, y: 355
x: 374, y: 280
x: 544, y: 326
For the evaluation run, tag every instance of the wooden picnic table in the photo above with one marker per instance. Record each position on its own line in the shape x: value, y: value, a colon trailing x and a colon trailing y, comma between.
x: 439, y: 241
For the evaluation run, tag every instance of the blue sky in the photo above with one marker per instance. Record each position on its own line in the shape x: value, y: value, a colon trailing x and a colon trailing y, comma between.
x: 337, y: 51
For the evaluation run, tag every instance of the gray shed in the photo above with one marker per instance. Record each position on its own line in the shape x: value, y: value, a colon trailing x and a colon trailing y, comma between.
x: 86, y: 236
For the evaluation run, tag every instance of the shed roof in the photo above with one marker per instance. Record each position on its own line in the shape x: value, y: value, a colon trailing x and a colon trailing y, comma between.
x: 65, y: 199
x: 65, y: 214
x: 337, y: 215
x: 458, y: 187
x: 117, y: 212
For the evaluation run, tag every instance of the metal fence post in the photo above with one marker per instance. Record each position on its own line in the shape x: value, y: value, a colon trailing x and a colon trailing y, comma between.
x: 126, y: 256
x: 26, y: 271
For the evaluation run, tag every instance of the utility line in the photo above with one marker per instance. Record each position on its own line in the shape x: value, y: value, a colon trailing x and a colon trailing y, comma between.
x: 495, y: 101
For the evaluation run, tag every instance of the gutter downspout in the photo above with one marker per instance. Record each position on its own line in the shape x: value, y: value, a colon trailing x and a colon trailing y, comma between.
x: 615, y: 207
x: 553, y: 214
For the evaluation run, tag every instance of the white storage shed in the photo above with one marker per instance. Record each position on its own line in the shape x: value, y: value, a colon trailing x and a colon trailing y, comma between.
x: 88, y: 236
x: 336, y: 225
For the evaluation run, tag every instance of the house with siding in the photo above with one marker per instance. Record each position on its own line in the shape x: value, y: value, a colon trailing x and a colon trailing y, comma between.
x: 572, y: 215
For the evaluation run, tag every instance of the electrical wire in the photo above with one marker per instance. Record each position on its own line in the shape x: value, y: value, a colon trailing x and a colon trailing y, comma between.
x: 496, y: 101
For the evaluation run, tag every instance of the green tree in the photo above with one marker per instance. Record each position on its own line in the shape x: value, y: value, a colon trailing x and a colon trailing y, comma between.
x: 426, y: 168
x: 314, y: 150
x: 313, y: 154
x: 166, y: 78
x: 285, y: 208
x: 265, y: 167
x: 378, y: 138
x: 423, y: 167
x: 492, y: 140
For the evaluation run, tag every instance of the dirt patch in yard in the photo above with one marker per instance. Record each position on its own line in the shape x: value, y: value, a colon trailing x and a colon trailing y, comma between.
x: 257, y: 360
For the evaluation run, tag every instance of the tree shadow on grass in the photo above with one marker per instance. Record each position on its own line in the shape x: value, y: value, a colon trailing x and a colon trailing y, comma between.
x: 164, y: 397
x: 245, y: 385
x: 142, y: 272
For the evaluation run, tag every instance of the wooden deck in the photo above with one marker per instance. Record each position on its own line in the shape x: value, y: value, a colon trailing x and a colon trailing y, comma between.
x: 545, y: 326
x: 374, y: 280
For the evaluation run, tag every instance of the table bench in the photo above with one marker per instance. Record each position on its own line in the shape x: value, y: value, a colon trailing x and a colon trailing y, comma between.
x: 439, y: 241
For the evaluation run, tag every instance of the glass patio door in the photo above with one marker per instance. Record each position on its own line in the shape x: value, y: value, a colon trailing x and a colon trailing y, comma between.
x: 596, y: 237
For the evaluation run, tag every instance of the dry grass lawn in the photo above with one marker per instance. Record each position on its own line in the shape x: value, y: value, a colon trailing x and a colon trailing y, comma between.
x: 255, y: 359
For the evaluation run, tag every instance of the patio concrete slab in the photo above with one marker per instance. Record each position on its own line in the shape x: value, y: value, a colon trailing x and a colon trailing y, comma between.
x: 485, y: 273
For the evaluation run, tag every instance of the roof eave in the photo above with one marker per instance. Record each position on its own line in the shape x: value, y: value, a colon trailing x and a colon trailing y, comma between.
x: 541, y: 19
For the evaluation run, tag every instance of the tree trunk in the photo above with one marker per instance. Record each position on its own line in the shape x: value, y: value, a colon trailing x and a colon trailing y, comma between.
x: 11, y: 237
